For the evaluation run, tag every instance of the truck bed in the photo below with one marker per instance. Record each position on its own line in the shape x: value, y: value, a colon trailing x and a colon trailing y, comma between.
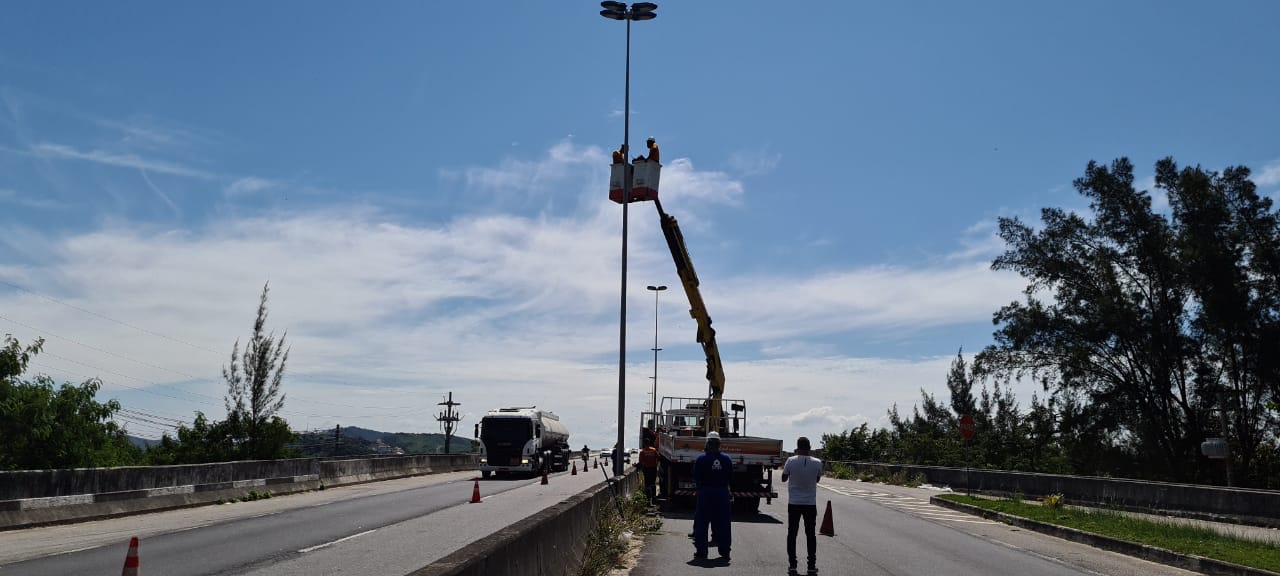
x: 743, y: 450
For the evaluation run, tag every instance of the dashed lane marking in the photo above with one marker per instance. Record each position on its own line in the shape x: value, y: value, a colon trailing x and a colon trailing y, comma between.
x: 327, y: 544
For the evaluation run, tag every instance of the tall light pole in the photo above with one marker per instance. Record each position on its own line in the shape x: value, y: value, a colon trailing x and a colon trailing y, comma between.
x: 656, y: 349
x: 638, y: 12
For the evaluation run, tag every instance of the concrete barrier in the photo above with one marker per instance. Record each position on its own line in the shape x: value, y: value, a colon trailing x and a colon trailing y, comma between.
x: 551, y: 542
x: 1239, y: 505
x: 36, y: 497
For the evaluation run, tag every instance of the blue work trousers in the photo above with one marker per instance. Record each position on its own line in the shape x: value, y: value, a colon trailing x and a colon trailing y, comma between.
x: 713, y: 510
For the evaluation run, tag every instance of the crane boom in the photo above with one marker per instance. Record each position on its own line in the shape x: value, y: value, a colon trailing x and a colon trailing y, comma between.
x: 697, y: 311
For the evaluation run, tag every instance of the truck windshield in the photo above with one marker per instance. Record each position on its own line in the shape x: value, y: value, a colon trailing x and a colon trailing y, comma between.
x: 515, y: 430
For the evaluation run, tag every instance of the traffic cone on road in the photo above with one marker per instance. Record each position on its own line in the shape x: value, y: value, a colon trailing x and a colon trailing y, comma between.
x: 131, y: 560
x: 475, y: 494
x: 544, y: 476
x: 575, y: 469
x: 827, y: 529
x: 595, y: 464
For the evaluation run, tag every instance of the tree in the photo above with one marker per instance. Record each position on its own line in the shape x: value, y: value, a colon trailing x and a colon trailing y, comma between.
x: 1229, y: 242
x: 1104, y: 314
x: 253, y: 392
x: 48, y: 427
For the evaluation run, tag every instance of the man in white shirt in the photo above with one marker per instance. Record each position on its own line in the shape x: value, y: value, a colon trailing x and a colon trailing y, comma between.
x: 801, y: 473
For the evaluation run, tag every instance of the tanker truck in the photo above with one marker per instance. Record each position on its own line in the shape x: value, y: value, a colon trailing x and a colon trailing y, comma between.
x: 522, y: 441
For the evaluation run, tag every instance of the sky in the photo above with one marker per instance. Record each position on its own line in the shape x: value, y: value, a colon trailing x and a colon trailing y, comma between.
x: 424, y: 188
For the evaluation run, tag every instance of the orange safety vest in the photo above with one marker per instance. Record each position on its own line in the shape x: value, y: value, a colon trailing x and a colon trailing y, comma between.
x: 649, y: 458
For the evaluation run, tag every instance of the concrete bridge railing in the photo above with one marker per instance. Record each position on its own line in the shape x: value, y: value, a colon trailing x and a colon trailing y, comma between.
x: 1240, y: 505
x: 33, y: 497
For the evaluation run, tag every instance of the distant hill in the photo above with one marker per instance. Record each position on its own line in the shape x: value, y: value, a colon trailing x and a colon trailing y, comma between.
x: 143, y: 443
x: 363, y: 441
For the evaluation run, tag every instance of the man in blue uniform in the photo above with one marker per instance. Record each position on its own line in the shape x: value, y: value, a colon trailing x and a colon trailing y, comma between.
x: 712, y: 471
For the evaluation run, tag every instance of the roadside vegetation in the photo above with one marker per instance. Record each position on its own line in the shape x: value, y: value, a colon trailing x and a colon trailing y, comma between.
x: 1169, y: 535
x: 618, y: 530
x: 1150, y: 320
x: 844, y: 471
x: 49, y: 426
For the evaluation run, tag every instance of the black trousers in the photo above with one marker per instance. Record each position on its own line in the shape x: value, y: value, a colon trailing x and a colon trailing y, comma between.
x: 650, y: 482
x: 795, y: 512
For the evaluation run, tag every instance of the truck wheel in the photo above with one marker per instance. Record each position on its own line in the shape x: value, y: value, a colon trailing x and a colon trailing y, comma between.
x: 485, y: 474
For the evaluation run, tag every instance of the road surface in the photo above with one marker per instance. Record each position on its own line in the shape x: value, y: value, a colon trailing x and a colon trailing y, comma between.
x: 886, y: 531
x: 392, y: 527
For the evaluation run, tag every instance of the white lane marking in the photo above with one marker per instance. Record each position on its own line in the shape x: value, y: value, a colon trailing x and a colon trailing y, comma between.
x: 327, y: 544
x: 910, y: 504
x: 77, y: 550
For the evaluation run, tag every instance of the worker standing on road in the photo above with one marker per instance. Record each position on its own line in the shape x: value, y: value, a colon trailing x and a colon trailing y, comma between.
x: 802, y: 473
x: 712, y: 472
x: 648, y: 463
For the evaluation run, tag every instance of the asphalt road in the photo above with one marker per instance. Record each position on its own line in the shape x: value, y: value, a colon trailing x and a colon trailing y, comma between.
x: 391, y: 527
x: 886, y: 530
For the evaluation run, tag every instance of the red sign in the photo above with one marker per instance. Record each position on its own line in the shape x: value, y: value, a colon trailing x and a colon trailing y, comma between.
x: 967, y: 427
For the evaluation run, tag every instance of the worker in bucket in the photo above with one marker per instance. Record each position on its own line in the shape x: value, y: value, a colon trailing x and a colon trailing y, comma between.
x: 712, y: 472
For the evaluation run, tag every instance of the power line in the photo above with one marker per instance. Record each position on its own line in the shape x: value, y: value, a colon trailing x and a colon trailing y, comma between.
x: 179, y: 372
x: 107, y: 318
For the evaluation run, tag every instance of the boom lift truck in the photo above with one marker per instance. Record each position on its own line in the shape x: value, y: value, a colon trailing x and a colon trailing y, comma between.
x: 680, y: 427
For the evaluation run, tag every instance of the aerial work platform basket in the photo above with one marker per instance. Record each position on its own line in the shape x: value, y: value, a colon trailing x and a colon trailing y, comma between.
x: 644, y: 181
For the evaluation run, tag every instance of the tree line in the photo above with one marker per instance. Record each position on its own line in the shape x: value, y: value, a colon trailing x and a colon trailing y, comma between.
x: 1147, y: 333
x: 45, y: 426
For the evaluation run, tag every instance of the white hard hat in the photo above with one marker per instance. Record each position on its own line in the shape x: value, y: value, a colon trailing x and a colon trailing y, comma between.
x: 713, y: 434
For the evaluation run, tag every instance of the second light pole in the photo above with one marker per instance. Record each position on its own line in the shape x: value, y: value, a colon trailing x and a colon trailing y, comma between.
x: 656, y: 349
x: 638, y: 12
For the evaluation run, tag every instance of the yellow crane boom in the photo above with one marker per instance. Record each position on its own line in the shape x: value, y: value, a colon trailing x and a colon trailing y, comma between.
x: 697, y: 311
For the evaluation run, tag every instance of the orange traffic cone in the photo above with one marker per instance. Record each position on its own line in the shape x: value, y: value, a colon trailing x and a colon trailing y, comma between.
x: 475, y: 494
x: 544, y: 476
x: 595, y: 464
x: 131, y: 560
x: 827, y: 529
x: 575, y: 469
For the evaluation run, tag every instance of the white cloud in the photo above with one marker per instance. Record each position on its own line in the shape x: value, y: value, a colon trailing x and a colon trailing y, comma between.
x: 1269, y: 175
x: 754, y: 162
x: 385, y: 316
x: 10, y: 196
x: 249, y: 185
x: 47, y: 150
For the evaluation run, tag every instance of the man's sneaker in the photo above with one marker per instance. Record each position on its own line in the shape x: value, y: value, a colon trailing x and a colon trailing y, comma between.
x: 791, y: 571
x: 813, y: 570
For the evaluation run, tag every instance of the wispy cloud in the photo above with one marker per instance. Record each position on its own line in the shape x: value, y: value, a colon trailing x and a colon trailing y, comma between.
x: 9, y: 196
x: 562, y: 160
x: 1269, y: 175
x: 60, y: 151
x: 383, y: 314
x: 754, y: 162
x: 249, y: 185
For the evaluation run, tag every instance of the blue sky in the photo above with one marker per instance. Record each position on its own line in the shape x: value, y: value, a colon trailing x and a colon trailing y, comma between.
x: 424, y: 185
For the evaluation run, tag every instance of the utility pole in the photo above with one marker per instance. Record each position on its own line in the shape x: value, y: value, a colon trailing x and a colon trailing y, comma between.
x: 448, y: 420
x: 337, y: 438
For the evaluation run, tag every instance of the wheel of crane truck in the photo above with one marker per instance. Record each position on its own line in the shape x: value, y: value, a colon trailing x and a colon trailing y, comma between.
x: 485, y: 474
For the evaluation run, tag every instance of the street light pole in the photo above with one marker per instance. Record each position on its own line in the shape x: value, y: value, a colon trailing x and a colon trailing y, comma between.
x: 620, y: 11
x: 656, y: 349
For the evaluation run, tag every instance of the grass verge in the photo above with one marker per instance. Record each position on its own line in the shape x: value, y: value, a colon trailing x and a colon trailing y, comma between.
x: 900, y: 478
x: 614, y: 533
x: 1178, y: 538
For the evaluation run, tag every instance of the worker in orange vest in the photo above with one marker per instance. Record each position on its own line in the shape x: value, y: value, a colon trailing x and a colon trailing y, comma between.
x: 648, y: 463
